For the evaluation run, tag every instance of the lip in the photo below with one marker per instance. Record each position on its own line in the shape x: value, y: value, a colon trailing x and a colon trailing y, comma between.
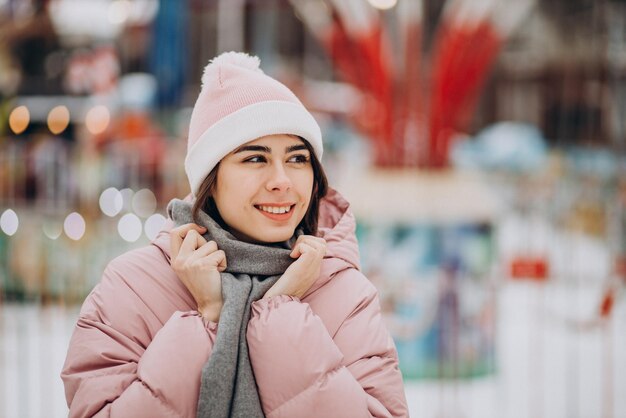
x: 278, y: 204
x: 277, y: 216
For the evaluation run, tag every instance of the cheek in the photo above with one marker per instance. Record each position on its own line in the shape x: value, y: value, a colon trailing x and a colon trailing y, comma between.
x: 309, y: 183
x: 229, y: 182
x: 223, y: 194
x: 305, y: 187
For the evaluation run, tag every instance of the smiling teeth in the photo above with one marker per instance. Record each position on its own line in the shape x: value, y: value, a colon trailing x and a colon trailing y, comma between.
x: 275, y: 209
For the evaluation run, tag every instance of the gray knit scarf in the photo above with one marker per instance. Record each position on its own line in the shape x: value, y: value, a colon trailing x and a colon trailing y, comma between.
x: 228, y: 388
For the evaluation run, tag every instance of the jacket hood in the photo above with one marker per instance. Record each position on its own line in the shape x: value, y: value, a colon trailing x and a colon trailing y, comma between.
x: 336, y: 225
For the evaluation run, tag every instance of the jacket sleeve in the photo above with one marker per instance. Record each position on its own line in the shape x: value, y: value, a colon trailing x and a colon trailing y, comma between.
x: 302, y: 371
x: 111, y: 371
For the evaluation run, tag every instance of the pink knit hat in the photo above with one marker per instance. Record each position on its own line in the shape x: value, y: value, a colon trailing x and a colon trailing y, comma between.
x: 238, y: 103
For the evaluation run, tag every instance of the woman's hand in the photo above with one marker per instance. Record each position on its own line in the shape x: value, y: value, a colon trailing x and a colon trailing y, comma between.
x: 303, y: 272
x: 198, y: 264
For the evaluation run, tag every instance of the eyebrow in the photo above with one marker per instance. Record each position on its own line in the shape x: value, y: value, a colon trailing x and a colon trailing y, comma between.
x: 263, y: 148
x: 253, y: 148
x: 296, y: 148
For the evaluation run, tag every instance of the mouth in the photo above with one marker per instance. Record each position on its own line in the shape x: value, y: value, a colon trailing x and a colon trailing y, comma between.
x: 276, y: 212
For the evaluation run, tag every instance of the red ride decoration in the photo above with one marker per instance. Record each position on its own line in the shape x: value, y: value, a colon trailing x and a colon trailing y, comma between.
x: 529, y: 268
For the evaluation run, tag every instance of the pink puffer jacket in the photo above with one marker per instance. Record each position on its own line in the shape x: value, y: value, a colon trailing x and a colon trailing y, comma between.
x: 139, y: 346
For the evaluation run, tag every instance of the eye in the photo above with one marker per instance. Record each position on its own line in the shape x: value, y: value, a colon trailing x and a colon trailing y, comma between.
x: 299, y: 159
x: 255, y: 159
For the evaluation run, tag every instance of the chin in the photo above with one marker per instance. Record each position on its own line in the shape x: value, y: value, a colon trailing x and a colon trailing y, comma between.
x: 275, y: 236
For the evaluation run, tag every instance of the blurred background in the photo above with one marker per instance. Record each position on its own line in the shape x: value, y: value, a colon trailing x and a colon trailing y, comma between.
x: 481, y: 142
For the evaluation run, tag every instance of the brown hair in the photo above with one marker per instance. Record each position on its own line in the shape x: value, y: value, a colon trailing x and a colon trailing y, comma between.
x: 205, y: 202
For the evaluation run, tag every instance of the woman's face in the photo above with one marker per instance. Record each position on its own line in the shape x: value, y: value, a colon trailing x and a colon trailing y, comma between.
x: 264, y: 187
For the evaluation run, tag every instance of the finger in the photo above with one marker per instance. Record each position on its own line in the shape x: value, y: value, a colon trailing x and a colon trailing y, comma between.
x: 191, y: 242
x: 203, y: 251
x: 317, y: 243
x: 315, y: 238
x: 300, y: 239
x: 301, y: 249
x: 182, y: 230
x: 178, y: 234
x: 310, y: 239
x: 223, y: 263
x: 295, y: 252
x: 216, y: 259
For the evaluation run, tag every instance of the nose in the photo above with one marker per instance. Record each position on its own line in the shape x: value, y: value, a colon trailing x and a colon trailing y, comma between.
x: 278, y: 180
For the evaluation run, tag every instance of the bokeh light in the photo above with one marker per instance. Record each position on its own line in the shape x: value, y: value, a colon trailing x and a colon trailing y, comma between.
x: 97, y: 119
x: 74, y: 226
x: 383, y: 4
x: 111, y: 201
x: 19, y: 119
x: 119, y: 11
x: 127, y: 199
x: 9, y: 222
x: 142, y: 12
x: 153, y: 225
x: 58, y: 119
x: 52, y: 229
x: 129, y: 227
x: 144, y: 203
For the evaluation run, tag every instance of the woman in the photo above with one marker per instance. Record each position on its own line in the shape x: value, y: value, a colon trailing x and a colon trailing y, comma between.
x: 250, y: 302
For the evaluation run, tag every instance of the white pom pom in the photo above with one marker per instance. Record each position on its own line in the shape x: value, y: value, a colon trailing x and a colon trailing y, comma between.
x: 240, y: 59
